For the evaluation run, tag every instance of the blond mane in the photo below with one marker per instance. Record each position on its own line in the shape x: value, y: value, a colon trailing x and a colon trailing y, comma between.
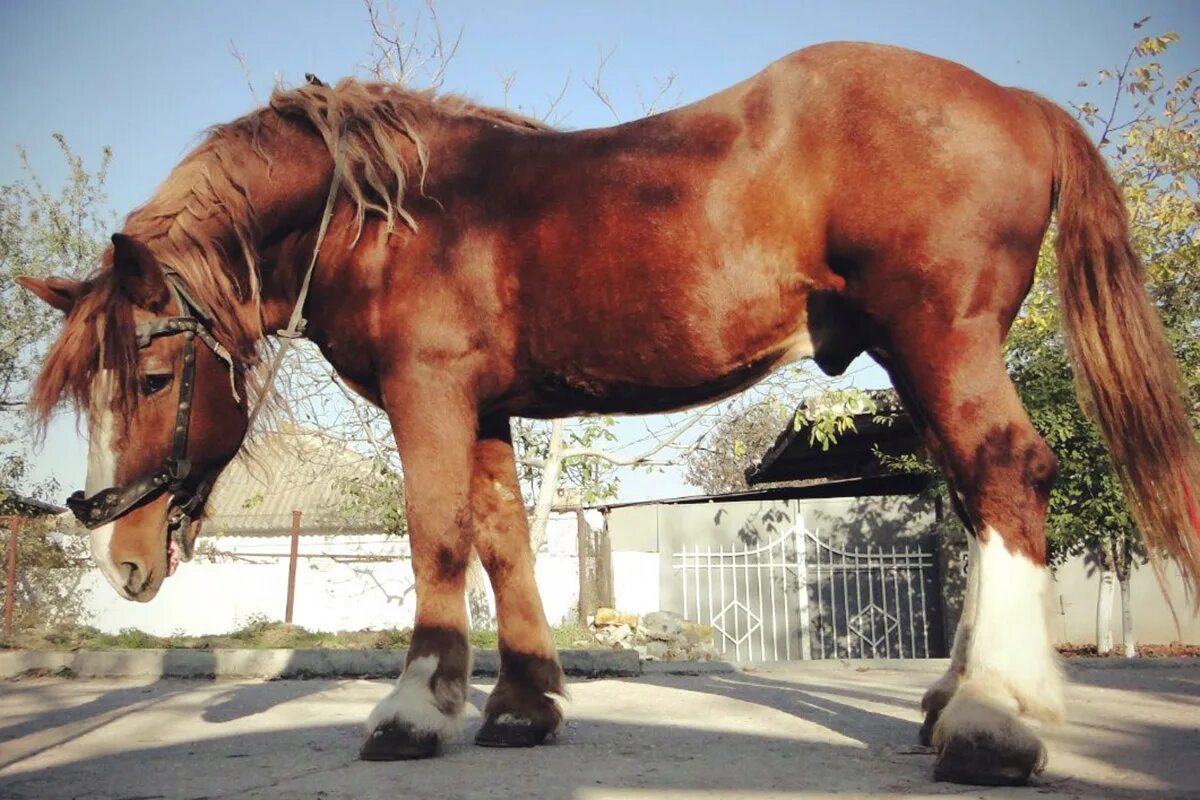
x: 380, y: 123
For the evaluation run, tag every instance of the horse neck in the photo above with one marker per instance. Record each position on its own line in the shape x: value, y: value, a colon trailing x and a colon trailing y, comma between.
x: 234, y: 218
x: 289, y: 198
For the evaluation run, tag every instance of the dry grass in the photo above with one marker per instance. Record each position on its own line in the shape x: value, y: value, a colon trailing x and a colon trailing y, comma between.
x: 1172, y: 650
x: 261, y: 633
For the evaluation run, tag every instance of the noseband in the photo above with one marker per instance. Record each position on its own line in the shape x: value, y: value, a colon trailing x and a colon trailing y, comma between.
x: 171, y: 477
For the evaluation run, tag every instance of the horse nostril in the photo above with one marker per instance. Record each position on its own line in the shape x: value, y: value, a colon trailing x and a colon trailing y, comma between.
x: 135, y: 576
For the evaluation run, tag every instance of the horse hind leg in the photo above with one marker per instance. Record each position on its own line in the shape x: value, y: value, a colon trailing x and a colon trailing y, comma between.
x: 521, y: 711
x: 1004, y: 667
x: 938, y: 696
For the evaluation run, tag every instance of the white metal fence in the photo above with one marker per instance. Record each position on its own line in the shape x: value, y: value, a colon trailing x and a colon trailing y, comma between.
x: 799, y: 597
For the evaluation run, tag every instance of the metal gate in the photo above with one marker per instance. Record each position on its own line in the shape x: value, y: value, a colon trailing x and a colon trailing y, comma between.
x: 800, y: 597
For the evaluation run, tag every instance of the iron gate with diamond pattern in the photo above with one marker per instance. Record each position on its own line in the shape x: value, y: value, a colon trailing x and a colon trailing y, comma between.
x: 800, y: 597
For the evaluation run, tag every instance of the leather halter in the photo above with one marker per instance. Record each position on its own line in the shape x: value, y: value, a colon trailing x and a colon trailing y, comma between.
x: 116, y: 501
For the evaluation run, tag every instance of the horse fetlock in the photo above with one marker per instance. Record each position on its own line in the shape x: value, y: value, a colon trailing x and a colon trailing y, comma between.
x: 980, y: 740
x: 521, y: 714
x: 936, y: 698
x: 420, y: 714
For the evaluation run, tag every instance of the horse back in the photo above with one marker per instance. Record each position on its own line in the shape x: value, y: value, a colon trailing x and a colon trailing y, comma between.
x: 674, y: 259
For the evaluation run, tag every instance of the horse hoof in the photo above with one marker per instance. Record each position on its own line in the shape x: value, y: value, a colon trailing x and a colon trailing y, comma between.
x: 926, y: 734
x: 505, y: 730
x: 936, y: 698
x: 983, y: 761
x: 392, y: 742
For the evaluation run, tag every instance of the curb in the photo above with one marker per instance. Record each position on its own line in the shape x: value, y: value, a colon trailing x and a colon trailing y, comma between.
x: 274, y: 664
x: 688, y: 667
x: 1085, y: 663
x: 848, y: 664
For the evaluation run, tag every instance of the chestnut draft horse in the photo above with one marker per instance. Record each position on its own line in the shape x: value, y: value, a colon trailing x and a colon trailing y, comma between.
x: 850, y: 198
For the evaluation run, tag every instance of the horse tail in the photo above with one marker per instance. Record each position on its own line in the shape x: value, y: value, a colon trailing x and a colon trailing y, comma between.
x: 1125, y: 372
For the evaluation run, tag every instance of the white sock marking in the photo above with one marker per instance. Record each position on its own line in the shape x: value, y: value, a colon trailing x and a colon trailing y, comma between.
x: 412, y: 702
x: 1008, y: 649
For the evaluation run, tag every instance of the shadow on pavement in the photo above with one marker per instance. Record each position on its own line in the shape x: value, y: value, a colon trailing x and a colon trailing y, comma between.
x: 658, y: 754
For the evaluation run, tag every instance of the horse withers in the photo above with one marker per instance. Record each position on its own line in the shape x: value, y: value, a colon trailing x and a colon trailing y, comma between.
x: 478, y: 266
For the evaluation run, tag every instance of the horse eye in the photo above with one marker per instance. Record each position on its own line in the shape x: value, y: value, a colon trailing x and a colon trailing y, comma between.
x: 153, y: 384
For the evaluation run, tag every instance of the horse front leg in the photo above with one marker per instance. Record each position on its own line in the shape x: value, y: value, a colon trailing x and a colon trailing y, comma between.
x: 521, y: 711
x: 434, y: 424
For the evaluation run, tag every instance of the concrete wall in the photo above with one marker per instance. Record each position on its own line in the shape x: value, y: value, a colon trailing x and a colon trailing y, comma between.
x: 636, y: 582
x: 666, y: 529
x: 333, y: 592
x: 1076, y: 590
x: 646, y: 530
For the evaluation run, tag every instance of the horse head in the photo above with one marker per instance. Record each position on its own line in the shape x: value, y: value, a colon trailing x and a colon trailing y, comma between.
x: 164, y: 408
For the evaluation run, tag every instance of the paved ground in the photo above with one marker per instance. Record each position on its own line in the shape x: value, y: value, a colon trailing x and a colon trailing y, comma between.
x: 802, y: 731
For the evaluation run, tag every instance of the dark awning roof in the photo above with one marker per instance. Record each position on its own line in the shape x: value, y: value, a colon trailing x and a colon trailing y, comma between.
x: 792, y: 458
x: 13, y: 503
x: 881, y: 485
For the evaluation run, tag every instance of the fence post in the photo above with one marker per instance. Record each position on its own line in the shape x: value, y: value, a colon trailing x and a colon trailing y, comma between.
x: 583, y: 554
x: 10, y: 586
x: 291, y: 590
x: 801, y: 534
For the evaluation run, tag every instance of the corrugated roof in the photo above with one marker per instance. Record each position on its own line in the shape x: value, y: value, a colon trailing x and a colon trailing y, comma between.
x: 285, y: 471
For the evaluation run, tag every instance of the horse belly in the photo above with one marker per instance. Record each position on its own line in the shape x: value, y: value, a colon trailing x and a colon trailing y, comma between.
x: 636, y: 376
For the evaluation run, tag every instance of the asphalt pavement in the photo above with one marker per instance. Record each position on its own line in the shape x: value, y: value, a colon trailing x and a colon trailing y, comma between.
x: 803, y: 730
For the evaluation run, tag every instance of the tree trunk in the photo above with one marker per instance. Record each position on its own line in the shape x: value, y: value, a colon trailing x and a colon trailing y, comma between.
x: 1124, y: 564
x: 478, y: 605
x: 1128, y: 645
x: 1104, y: 605
x: 548, y: 488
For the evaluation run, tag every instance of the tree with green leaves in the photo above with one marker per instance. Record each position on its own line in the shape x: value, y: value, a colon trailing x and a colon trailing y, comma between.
x: 746, y: 430
x: 1149, y: 127
x: 43, y: 232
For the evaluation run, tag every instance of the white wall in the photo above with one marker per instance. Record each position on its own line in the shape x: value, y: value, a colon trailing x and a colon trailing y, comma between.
x: 335, y: 590
x: 635, y: 582
x: 1076, y: 588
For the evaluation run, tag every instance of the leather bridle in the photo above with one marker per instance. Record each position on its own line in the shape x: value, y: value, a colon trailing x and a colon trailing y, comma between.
x: 172, y: 475
x: 193, y: 322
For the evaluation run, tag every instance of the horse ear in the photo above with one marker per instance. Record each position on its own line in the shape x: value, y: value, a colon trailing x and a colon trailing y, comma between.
x: 138, y: 272
x: 60, y: 293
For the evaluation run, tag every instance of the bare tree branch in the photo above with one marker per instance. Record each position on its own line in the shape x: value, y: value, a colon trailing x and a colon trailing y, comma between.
x: 241, y: 60
x: 597, y: 84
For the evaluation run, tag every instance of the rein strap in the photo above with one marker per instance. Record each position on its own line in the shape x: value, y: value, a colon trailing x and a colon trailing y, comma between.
x: 296, y: 322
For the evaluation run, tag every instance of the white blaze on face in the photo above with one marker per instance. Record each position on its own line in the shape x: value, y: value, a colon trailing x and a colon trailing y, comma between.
x: 102, y: 469
x: 1009, y: 650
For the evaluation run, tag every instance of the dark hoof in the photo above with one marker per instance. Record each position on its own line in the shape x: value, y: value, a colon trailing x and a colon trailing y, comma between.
x: 982, y: 761
x: 936, y: 699
x: 514, y: 733
x: 926, y: 734
x: 391, y: 742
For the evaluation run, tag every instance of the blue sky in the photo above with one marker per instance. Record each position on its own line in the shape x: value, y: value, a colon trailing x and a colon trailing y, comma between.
x: 148, y: 77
